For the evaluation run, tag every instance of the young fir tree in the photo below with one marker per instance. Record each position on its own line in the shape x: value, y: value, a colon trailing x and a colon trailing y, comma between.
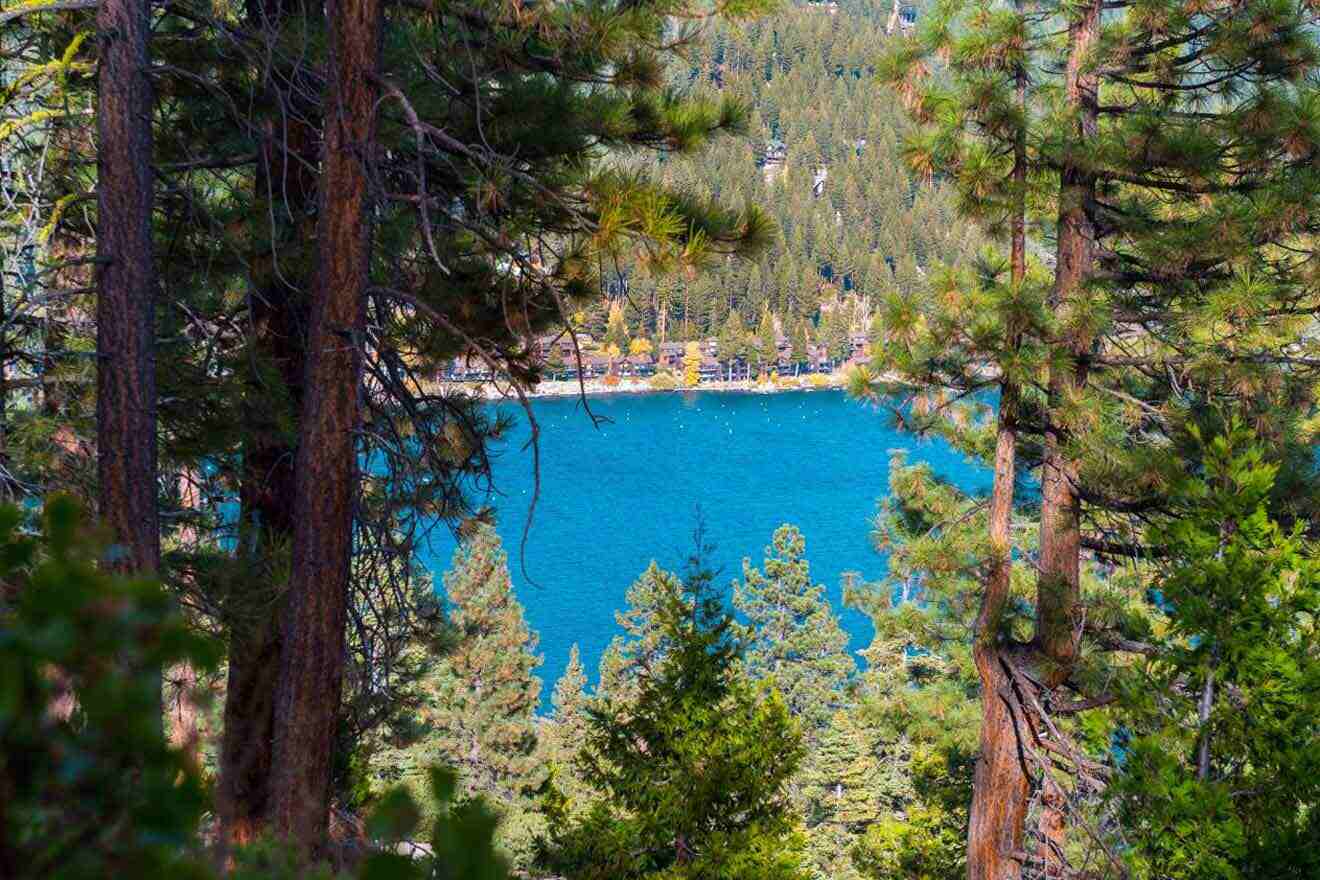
x: 692, y: 765
x: 793, y: 638
x: 563, y: 733
x: 845, y: 786
x: 486, y: 711
x: 1220, y: 735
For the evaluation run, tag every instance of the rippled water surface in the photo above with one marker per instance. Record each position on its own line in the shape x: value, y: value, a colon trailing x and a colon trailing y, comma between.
x: 615, y: 497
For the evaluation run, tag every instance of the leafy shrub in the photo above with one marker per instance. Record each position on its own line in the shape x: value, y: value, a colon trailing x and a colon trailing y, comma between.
x: 663, y: 380
x: 100, y: 792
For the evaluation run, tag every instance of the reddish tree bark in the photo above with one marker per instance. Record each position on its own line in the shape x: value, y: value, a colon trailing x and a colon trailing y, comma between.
x: 1000, y: 784
x: 285, y: 184
x: 312, y: 662
x: 126, y: 282
x: 1058, y: 591
x: 1001, y: 788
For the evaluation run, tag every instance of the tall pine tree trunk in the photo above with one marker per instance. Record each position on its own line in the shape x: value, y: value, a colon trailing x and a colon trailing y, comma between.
x: 312, y: 661
x: 1000, y: 787
x: 256, y: 634
x: 125, y: 344
x: 285, y: 183
x: 1058, y: 590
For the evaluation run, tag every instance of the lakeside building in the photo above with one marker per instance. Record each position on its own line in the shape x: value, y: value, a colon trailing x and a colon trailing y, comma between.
x: 585, y: 360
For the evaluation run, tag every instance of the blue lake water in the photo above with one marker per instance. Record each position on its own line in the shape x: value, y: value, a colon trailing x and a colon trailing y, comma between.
x: 617, y: 496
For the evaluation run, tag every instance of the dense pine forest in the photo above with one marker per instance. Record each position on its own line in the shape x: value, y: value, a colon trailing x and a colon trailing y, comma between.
x: 243, y: 245
x: 822, y: 157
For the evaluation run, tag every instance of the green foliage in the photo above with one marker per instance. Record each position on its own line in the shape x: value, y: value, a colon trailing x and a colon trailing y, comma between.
x: 806, y: 75
x: 767, y: 346
x: 461, y: 838
x: 89, y: 785
x: 490, y: 690
x: 843, y: 775
x: 793, y: 638
x: 692, y: 765
x: 927, y: 839
x: 476, y: 700
x: 563, y: 734
x: 732, y: 340
x: 1220, y: 774
x: 444, y: 836
x: 836, y: 332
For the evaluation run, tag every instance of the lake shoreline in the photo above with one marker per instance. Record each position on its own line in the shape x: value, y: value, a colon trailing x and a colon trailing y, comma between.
x: 597, y: 387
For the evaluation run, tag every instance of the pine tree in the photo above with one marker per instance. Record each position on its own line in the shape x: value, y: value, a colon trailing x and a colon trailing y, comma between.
x: 570, y: 698
x: 835, y: 333
x: 692, y: 766
x: 794, y: 639
x: 767, y: 343
x: 488, y: 704
x: 1200, y: 133
x: 564, y: 732
x: 469, y: 285
x: 311, y: 668
x: 126, y: 290
x: 732, y: 341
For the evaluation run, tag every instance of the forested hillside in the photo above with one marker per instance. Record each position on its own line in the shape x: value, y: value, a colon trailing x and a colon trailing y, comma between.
x: 823, y: 158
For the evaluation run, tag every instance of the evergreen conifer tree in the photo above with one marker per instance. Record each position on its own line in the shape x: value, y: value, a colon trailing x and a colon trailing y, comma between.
x: 692, y: 765
x: 732, y: 341
x: 644, y: 642
x: 767, y: 343
x: 1164, y: 152
x: 843, y: 775
x: 486, y: 713
x: 793, y: 637
x: 564, y: 732
x: 1221, y: 731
